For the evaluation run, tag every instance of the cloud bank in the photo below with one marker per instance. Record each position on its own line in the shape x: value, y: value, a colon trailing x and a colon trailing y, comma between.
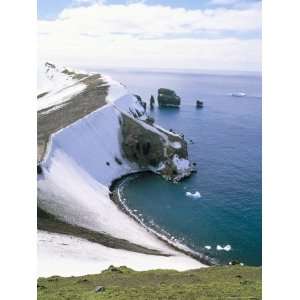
x: 140, y: 35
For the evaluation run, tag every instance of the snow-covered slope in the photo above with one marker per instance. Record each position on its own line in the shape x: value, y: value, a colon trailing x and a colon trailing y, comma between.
x: 65, y: 255
x: 81, y: 162
x: 56, y: 86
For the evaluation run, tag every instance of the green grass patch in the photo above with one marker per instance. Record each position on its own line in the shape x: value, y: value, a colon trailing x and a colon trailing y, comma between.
x: 221, y: 282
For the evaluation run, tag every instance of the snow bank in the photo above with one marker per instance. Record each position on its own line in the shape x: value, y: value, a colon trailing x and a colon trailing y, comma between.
x: 81, y: 162
x: 70, y: 256
x: 74, y: 196
x: 58, y: 86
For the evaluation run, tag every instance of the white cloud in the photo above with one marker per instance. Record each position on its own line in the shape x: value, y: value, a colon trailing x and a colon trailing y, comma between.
x: 140, y: 35
x: 89, y: 1
x: 224, y: 2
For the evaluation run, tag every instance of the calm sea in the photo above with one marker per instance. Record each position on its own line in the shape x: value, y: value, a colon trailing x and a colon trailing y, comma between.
x: 226, y: 145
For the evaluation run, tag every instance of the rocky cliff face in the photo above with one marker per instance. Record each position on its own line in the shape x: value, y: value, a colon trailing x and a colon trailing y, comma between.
x: 155, y: 149
x: 96, y: 132
x: 66, y: 96
x: 167, y: 97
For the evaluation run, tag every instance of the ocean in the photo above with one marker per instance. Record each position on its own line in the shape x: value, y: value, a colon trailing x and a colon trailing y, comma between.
x: 224, y: 137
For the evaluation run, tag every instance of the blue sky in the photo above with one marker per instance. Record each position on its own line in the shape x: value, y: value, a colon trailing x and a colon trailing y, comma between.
x: 51, y: 8
x: 194, y: 34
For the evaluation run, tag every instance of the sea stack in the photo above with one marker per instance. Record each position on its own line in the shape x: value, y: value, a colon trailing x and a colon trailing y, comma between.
x: 152, y: 101
x: 199, y: 104
x: 167, y: 97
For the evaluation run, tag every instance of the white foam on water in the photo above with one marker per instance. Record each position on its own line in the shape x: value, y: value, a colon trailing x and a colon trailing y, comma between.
x: 207, y: 247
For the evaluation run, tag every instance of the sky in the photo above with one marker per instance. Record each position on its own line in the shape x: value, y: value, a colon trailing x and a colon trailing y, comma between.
x: 188, y: 35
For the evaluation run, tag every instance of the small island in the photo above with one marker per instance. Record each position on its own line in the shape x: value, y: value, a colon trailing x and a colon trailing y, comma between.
x: 199, y: 104
x: 167, y: 97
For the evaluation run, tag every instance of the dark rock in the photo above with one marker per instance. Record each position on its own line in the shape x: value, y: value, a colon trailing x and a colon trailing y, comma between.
x: 50, y: 65
x: 39, y: 169
x: 150, y: 120
x: 114, y: 269
x: 118, y: 161
x: 152, y: 101
x: 139, y: 98
x: 199, y: 104
x: 99, y: 289
x: 41, y: 287
x: 146, y: 147
x: 168, y: 97
x: 84, y: 280
x: 107, y: 163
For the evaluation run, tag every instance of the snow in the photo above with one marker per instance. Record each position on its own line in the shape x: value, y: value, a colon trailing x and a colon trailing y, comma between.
x: 64, y: 255
x: 70, y: 193
x: 166, y: 131
x: 59, y: 86
x: 176, y: 145
x: 76, y: 178
x: 78, y: 168
x: 60, y: 96
x: 182, y: 164
x: 116, y: 89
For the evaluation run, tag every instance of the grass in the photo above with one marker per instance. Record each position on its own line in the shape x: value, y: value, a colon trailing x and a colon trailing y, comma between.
x: 221, y: 282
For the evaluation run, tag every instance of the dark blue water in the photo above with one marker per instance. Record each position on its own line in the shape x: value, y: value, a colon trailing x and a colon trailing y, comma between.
x: 227, y: 149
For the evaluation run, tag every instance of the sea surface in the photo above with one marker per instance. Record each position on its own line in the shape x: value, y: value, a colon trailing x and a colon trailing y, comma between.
x: 225, y: 142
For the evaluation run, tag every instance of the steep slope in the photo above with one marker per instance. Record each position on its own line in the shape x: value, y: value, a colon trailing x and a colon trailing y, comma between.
x: 87, y: 138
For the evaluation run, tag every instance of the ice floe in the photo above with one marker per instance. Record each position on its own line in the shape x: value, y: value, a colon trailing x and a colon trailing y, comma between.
x: 225, y: 248
x: 193, y: 195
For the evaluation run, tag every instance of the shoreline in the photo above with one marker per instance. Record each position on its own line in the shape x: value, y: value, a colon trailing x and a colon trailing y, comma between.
x: 115, y: 197
x: 49, y: 223
x: 132, y: 237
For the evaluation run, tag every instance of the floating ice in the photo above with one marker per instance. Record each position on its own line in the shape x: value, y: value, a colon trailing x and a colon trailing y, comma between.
x: 225, y: 248
x: 238, y: 94
x: 193, y: 195
x: 207, y: 247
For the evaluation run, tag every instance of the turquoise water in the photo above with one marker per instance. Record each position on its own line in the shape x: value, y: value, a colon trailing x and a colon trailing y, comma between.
x: 226, y: 146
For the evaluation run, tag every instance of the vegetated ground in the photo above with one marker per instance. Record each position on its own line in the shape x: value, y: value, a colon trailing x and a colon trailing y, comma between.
x: 221, y: 282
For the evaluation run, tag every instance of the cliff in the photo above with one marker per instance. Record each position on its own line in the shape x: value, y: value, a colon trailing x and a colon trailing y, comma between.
x: 167, y: 97
x: 90, y: 132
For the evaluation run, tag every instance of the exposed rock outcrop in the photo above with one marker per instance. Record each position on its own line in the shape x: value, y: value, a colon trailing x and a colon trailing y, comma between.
x: 152, y: 101
x: 167, y: 97
x: 199, y: 104
x: 155, y: 149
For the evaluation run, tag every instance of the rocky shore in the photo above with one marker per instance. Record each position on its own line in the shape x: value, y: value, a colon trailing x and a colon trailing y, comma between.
x: 116, y: 198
